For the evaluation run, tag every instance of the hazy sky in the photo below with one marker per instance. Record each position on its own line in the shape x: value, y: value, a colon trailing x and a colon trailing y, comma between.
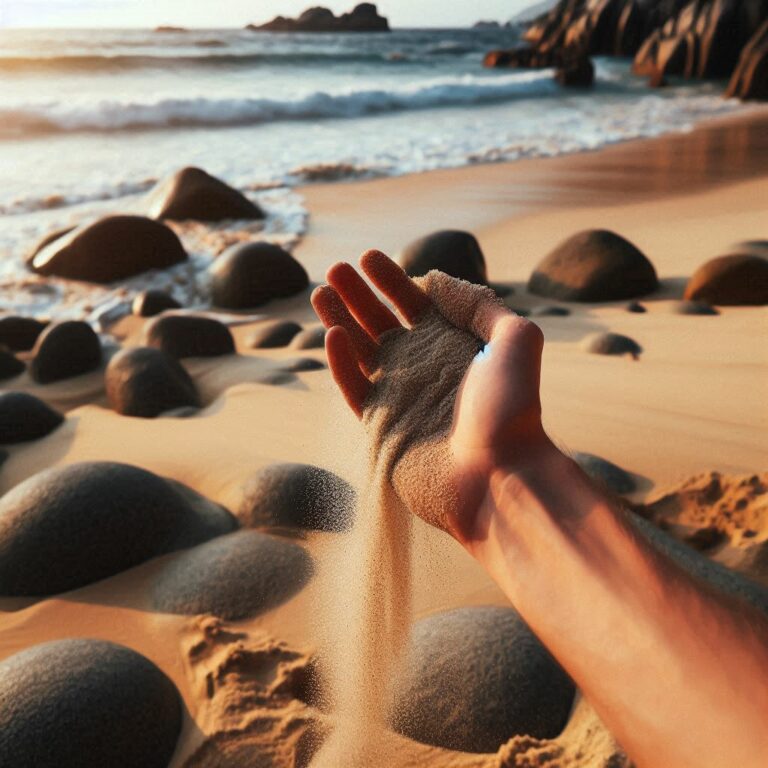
x: 236, y: 13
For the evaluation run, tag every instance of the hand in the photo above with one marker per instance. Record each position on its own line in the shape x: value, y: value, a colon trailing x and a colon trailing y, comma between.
x: 495, y: 421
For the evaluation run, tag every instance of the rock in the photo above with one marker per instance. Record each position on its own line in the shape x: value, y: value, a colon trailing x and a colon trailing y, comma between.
x: 189, y: 336
x: 110, y: 249
x: 46, y: 240
x: 276, y: 333
x: 71, y: 526
x: 451, y: 251
x: 146, y: 382
x: 605, y: 473
x: 692, y: 308
x: 234, y: 577
x: 151, y: 303
x: 474, y: 678
x: 309, y: 338
x: 297, y: 496
x: 576, y: 72
x: 24, y: 417
x: 84, y: 703
x: 64, y: 350
x: 169, y: 29
x: 749, y: 81
x: 629, y: 31
x: 10, y: 365
x: 193, y: 194
x: 302, y: 364
x: 594, y: 265
x: 249, y: 275
x: 363, y: 18
x: 735, y: 280
x: 611, y: 344
x: 636, y: 307
x: 19, y: 334
x: 549, y: 311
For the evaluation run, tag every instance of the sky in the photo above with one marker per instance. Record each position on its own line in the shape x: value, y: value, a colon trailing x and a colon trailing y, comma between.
x: 237, y: 13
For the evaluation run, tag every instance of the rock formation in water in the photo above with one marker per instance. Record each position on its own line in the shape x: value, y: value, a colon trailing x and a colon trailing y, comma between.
x: 364, y: 17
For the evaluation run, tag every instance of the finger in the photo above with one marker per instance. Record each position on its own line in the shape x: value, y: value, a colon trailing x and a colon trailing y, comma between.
x: 390, y: 279
x: 361, y: 301
x: 345, y: 369
x: 332, y: 311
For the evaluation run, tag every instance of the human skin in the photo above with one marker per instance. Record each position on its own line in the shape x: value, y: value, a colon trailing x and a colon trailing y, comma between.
x: 677, y: 671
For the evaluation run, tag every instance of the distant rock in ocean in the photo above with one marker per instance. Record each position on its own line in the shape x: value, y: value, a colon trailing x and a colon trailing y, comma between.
x: 364, y: 17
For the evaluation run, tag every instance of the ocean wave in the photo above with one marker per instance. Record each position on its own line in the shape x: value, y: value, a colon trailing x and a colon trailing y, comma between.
x: 114, y: 116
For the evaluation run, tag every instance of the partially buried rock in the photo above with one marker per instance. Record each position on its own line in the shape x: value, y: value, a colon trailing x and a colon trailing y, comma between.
x: 739, y: 279
x: 234, y: 577
x: 476, y: 677
x: 151, y: 303
x: 297, y: 496
x: 451, y: 251
x: 550, y: 311
x: 64, y: 350
x: 276, y: 333
x: 146, y: 382
x: 71, y: 526
x: 189, y: 336
x: 611, y: 344
x: 84, y: 703
x: 10, y: 365
x: 19, y: 334
x: 309, y: 338
x: 636, y: 307
x: 193, y: 194
x: 595, y: 265
x: 24, y: 417
x: 692, y: 308
x: 607, y: 474
x: 302, y: 364
x: 112, y: 248
x: 247, y: 276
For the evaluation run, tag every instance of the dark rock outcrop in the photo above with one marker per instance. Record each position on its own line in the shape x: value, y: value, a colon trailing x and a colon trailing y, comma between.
x: 249, y: 275
x: 151, y: 303
x: 276, y: 333
x: 84, y: 703
x: 451, y: 251
x: 64, y: 350
x: 735, y: 280
x: 193, y: 194
x: 476, y: 677
x: 10, y: 365
x: 112, y: 248
x: 189, y: 336
x: 594, y: 265
x: 19, y: 334
x: 146, y: 382
x: 575, y: 72
x: 71, y: 526
x: 364, y: 17
x: 24, y: 417
x: 750, y: 78
x: 612, y: 344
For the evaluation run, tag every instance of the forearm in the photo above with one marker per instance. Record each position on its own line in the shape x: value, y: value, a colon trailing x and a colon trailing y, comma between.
x: 677, y: 672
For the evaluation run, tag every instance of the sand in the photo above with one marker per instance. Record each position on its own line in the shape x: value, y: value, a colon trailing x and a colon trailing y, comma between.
x: 693, y: 404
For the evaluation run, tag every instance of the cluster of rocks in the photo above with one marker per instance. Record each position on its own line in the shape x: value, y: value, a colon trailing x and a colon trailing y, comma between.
x: 364, y: 17
x: 704, y: 39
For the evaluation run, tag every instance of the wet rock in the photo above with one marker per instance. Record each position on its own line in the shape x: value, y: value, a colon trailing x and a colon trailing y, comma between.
x: 249, y: 275
x: 189, y: 336
x: 594, y: 265
x: 692, y: 308
x: 575, y: 72
x: 451, y: 251
x: 64, y: 350
x: 309, y: 338
x: 10, y: 365
x: 475, y: 677
x: 193, y: 194
x: 110, y: 249
x: 605, y: 473
x: 735, y: 280
x: 276, y: 333
x: 297, y: 496
x: 234, y: 577
x: 19, y: 334
x: 611, y: 344
x: 84, y: 703
x: 146, y: 382
x: 71, y: 526
x: 151, y: 303
x: 24, y: 417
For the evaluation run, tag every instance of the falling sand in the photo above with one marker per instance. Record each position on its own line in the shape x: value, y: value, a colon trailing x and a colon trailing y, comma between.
x: 408, y: 419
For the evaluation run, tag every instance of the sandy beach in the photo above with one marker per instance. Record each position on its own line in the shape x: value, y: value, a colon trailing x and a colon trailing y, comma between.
x: 693, y: 404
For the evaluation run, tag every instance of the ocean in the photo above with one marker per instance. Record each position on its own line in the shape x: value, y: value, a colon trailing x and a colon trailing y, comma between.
x: 90, y: 119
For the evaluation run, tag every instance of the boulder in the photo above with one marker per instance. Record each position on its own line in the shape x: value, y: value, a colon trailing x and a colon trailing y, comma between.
x: 636, y: 307
x: 451, y: 251
x: 575, y: 72
x: 234, y: 577
x: 24, y: 417
x: 276, y: 333
x: 193, y: 194
x: 364, y: 17
x: 750, y: 77
x: 309, y: 338
x: 71, y: 526
x: 735, y: 280
x: 189, y: 336
x: 84, y: 703
x: 19, y: 334
x: 10, y: 365
x: 297, y: 496
x: 64, y: 350
x: 146, y: 382
x: 605, y: 473
x: 692, y: 308
x: 249, y: 275
x: 629, y: 31
x: 110, y: 249
x: 611, y: 344
x: 476, y: 677
x: 594, y: 265
x: 151, y: 303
